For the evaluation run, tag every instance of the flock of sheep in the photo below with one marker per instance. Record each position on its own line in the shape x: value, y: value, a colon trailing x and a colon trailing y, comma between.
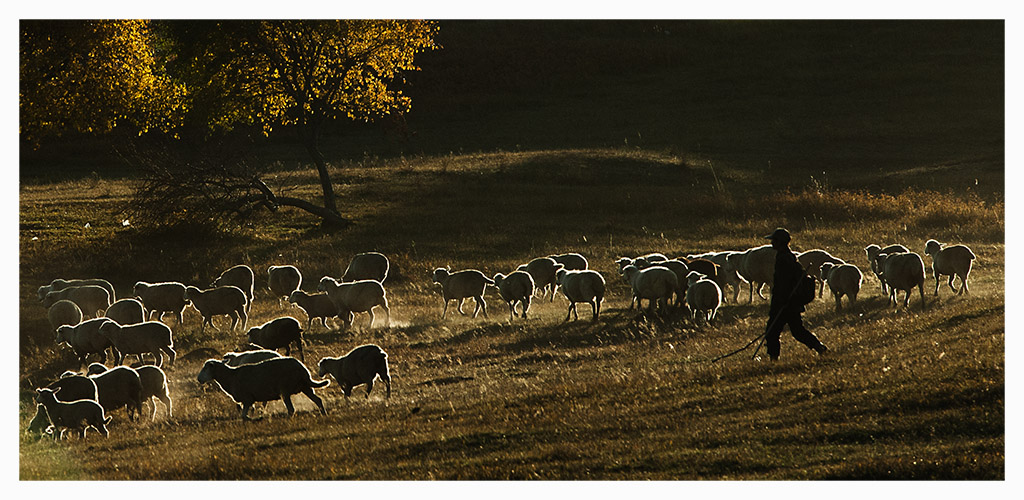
x: 258, y: 374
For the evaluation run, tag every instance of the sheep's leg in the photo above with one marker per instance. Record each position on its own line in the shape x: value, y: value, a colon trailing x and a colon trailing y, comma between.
x: 951, y: 287
x: 370, y: 324
x: 170, y: 354
x: 920, y: 286
x: 460, y: 306
x: 526, y: 305
x: 316, y: 400
x: 511, y: 310
x: 369, y: 387
x: 443, y: 311
x: 287, y: 398
x: 751, y: 297
x: 159, y: 358
x: 963, y: 282
x: 593, y: 308
x: 568, y: 312
x: 937, y: 283
x: 244, y: 408
x: 387, y: 313
x: 760, y: 287
x: 838, y: 298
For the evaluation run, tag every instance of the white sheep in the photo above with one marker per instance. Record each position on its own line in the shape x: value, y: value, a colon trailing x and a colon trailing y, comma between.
x: 154, y: 385
x: 953, y: 261
x: 270, y: 380
x: 278, y: 333
x: 367, y: 266
x: 702, y: 295
x: 119, y: 387
x: 727, y: 275
x: 240, y: 276
x: 76, y: 415
x: 677, y: 266
x: 842, y: 279
x: 85, y: 339
x: 872, y: 252
x: 63, y: 312
x: 151, y: 337
x: 315, y: 305
x: 654, y: 283
x: 161, y: 298
x: 356, y: 296
x: 224, y: 300
x: 812, y: 260
x: 542, y: 270
x: 126, y: 312
x: 249, y: 357
x: 571, y: 261
x: 757, y: 266
x: 360, y: 366
x: 463, y: 284
x: 516, y: 288
x: 60, y: 284
x: 902, y: 271
x: 283, y: 280
x: 91, y: 299
x: 582, y: 286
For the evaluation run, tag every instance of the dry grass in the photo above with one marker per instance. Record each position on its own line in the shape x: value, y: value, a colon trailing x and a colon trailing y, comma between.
x: 905, y: 394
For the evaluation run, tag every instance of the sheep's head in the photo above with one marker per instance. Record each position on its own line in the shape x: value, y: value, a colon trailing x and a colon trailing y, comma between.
x: 327, y: 283
x: 440, y: 274
x: 96, y: 369
x: 932, y: 247
x: 64, y: 333
x: 693, y: 277
x: 623, y: 262
x: 293, y: 297
x: 138, y: 288
x: 825, y: 269
x: 207, y: 373
x: 560, y: 276
x: 46, y: 395
x: 323, y: 367
x: 629, y: 272
x: 109, y: 327
x: 253, y: 335
x: 50, y: 298
x: 190, y: 293
x: 498, y: 278
x: 872, y: 251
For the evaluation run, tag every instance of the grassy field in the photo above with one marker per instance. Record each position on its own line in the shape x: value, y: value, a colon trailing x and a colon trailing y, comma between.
x: 913, y: 393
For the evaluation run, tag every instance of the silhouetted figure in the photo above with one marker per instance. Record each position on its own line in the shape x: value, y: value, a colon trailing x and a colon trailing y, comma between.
x: 785, y: 309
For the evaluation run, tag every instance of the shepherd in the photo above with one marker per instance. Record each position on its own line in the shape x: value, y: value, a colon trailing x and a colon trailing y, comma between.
x: 788, y: 298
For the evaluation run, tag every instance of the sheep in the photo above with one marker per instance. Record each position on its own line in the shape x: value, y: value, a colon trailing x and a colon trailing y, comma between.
x: 515, y: 288
x: 240, y: 276
x: 283, y: 280
x: 91, y: 299
x: 702, y: 295
x: 277, y: 378
x: 843, y: 279
x: 571, y: 261
x: 462, y: 284
x: 64, y: 312
x: 654, y: 283
x: 543, y: 270
x: 367, y: 266
x: 954, y: 261
x: 73, y: 387
x: 757, y: 266
x: 582, y: 286
x: 360, y: 366
x: 151, y: 337
x: 677, y: 266
x: 708, y: 268
x: 161, y: 298
x: 873, y: 250
x: 126, y: 312
x: 357, y: 296
x: 812, y: 260
x: 315, y: 305
x: 86, y: 339
x: 154, y: 385
x: 40, y: 423
x: 280, y: 332
x: 227, y: 300
x: 726, y: 272
x: 119, y: 387
x: 60, y: 284
x: 76, y: 415
x: 249, y: 357
x: 902, y: 271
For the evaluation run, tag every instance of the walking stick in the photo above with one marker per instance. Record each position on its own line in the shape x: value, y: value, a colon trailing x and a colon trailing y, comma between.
x: 762, y: 336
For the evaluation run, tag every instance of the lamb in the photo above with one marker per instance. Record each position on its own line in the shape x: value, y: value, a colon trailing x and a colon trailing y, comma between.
x: 655, y: 283
x: 40, y: 423
x: 77, y: 415
x: 277, y: 378
x: 463, y: 284
x: 516, y: 288
x: 543, y: 270
x: 812, y: 261
x: 843, y: 279
x: 677, y: 266
x: 873, y: 250
x: 60, y: 284
x: 154, y: 385
x: 240, y: 276
x: 702, y: 295
x: 582, y: 286
x: 571, y: 261
x: 367, y: 266
x: 126, y: 312
x: 227, y: 300
x: 85, y: 339
x: 902, y: 271
x: 119, y: 387
x: 91, y: 299
x: 756, y: 266
x: 161, y: 298
x: 357, y: 296
x: 707, y: 267
x: 954, y: 261
x: 727, y: 273
x: 249, y: 357
x: 151, y: 337
x: 280, y: 332
x: 360, y: 366
x: 316, y: 305
x: 283, y: 280
x: 64, y: 312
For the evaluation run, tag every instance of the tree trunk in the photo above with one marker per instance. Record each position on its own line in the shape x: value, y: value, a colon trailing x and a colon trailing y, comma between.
x: 312, y: 142
x: 330, y: 217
